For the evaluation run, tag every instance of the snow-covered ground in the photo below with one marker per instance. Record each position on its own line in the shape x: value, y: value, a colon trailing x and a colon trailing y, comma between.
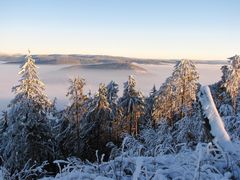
x: 198, y: 164
x: 56, y: 80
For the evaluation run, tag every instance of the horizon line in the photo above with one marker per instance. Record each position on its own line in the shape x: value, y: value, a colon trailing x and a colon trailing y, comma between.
x: 116, y: 56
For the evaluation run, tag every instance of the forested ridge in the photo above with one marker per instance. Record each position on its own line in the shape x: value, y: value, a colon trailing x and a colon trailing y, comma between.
x: 167, y: 134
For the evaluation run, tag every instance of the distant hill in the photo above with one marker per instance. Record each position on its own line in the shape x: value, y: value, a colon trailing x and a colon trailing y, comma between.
x: 94, y: 59
x: 107, y: 66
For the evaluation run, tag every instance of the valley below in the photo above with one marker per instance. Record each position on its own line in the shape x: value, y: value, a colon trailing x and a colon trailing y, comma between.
x: 56, y: 70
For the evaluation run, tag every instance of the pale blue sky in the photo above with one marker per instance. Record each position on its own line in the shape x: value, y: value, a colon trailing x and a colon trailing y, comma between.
x: 203, y: 29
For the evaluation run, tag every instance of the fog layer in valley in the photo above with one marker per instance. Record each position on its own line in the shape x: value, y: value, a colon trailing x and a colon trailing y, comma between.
x: 56, y: 78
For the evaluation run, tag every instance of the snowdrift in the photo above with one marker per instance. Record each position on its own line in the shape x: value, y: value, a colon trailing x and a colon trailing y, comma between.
x: 206, y: 162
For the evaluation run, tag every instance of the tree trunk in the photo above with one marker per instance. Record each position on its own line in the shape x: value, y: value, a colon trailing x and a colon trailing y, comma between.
x: 130, y: 124
x: 136, y: 125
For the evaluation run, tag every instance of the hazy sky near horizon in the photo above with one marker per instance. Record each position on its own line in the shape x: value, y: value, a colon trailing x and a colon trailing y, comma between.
x: 203, y: 29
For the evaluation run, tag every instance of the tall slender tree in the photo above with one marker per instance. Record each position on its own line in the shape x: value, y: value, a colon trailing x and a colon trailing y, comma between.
x: 231, y: 79
x: 112, y: 95
x: 164, y: 104
x: 69, y: 138
x: 186, y: 83
x: 97, y: 130
x: 178, y: 92
x: 28, y: 135
x: 149, y: 119
x: 132, y: 103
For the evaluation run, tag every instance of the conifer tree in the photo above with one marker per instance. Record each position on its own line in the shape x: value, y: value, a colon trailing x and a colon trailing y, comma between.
x: 97, y: 129
x: 112, y: 96
x: 178, y: 92
x: 186, y: 84
x: 3, y: 127
x: 118, y: 125
x: 221, y: 97
x: 132, y: 104
x: 191, y: 129
x: 164, y: 104
x: 69, y: 136
x: 28, y: 135
x: 149, y: 119
x: 231, y: 79
x: 238, y: 104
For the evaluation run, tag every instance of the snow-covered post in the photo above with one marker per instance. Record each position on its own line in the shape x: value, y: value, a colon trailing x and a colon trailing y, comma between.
x: 218, y: 130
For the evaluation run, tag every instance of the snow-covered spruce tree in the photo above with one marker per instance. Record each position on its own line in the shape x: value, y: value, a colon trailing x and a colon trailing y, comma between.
x: 97, y: 127
x: 112, y: 96
x: 118, y: 125
x: 132, y: 104
x: 177, y: 94
x: 231, y: 79
x: 225, y: 95
x: 238, y: 105
x: 190, y: 130
x: 28, y: 137
x: 3, y: 127
x: 164, y: 103
x: 148, y: 119
x: 221, y: 98
x: 68, y: 138
x: 236, y: 123
x: 186, y: 84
